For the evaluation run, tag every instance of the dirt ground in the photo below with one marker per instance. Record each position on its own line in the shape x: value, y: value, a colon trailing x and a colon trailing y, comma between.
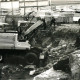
x: 62, y: 44
x: 14, y: 71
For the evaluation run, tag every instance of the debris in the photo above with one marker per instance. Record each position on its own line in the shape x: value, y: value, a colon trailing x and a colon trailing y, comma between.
x: 48, y: 66
x: 62, y: 42
x: 30, y: 67
x: 52, y: 75
x: 46, y: 41
x: 32, y: 72
x: 20, y: 65
x: 39, y: 70
x: 4, y: 67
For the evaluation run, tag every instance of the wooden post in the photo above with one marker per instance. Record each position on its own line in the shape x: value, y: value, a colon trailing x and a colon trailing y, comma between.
x: 24, y: 7
x: 37, y: 5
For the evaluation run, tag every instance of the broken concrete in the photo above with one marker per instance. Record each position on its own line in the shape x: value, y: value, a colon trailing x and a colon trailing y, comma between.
x: 51, y: 74
x: 32, y: 72
x: 62, y: 65
x: 75, y: 65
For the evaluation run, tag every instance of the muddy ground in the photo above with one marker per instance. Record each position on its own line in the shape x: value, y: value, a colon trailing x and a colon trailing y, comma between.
x: 10, y: 70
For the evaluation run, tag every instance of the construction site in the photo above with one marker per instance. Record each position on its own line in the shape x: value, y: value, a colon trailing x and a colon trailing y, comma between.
x: 39, y: 40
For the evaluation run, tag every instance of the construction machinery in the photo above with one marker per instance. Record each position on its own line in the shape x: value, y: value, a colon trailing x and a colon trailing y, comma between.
x: 21, y: 41
x: 16, y: 42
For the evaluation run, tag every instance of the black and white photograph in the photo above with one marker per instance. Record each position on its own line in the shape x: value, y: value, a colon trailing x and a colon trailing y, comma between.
x: 39, y: 39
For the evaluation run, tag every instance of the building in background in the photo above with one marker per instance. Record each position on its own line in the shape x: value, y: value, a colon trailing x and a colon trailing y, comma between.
x: 20, y: 7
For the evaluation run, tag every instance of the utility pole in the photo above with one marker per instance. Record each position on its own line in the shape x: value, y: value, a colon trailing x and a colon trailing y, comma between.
x: 37, y: 5
x: 12, y: 6
x: 24, y: 7
x: 49, y: 1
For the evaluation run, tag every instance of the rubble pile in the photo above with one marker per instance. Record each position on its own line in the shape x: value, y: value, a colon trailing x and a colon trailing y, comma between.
x: 52, y: 75
x: 63, y: 41
x: 56, y: 54
x: 70, y: 65
x: 60, y: 48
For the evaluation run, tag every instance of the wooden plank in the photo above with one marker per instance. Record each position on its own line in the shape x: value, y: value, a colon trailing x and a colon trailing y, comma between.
x: 34, y: 26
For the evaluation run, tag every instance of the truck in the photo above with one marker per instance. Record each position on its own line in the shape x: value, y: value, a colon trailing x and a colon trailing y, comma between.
x: 15, y: 42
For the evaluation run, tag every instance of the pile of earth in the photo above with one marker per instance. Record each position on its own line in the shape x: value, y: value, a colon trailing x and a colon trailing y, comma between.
x: 60, y: 44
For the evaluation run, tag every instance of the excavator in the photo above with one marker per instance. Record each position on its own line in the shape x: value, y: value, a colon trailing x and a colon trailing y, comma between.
x: 17, y: 42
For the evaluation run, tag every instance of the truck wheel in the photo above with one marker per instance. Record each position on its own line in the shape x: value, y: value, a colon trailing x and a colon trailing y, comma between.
x: 31, y: 59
